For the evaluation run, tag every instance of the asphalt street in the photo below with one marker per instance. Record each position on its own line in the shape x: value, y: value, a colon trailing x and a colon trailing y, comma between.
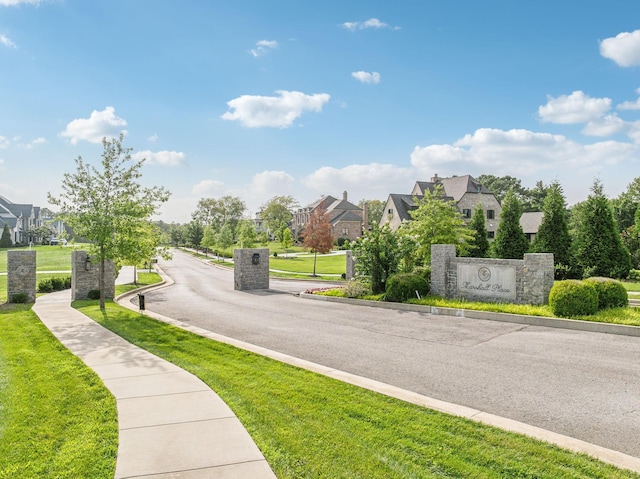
x: 584, y: 385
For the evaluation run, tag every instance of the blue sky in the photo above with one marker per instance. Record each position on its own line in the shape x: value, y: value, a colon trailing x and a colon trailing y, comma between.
x: 256, y: 99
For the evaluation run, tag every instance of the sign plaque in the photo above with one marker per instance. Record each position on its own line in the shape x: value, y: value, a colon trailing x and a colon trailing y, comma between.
x: 497, y: 282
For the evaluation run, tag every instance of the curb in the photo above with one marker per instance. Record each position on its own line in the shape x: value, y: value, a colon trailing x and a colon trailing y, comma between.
x: 571, y: 324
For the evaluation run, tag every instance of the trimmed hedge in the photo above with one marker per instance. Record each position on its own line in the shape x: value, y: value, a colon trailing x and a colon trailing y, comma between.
x: 611, y: 293
x: 403, y: 286
x: 54, y: 284
x: 570, y: 298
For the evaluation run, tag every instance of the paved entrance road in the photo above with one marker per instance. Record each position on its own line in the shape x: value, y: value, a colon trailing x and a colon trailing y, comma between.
x: 584, y: 385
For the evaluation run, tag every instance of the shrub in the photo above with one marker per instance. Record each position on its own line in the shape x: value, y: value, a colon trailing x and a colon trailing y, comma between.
x: 356, y: 289
x: 402, y: 286
x: 67, y: 282
x: 45, y: 286
x: 634, y: 274
x: 611, y: 293
x: 571, y: 298
x: 275, y: 254
x: 94, y: 294
x: 19, y: 298
x: 424, y: 271
x: 57, y: 284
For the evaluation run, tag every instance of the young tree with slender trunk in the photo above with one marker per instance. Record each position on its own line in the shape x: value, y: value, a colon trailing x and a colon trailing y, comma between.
x: 108, y: 206
x: 317, y: 235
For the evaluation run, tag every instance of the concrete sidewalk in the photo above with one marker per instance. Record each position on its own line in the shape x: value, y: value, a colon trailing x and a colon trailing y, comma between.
x: 170, y: 423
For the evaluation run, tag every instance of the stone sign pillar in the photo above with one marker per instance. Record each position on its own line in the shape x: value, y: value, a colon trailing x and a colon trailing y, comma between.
x: 251, y: 269
x: 441, y: 254
x: 351, y: 266
x: 21, y: 274
x: 85, y: 276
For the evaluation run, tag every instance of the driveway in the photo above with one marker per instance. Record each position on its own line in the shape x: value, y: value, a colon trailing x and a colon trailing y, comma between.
x: 584, y: 385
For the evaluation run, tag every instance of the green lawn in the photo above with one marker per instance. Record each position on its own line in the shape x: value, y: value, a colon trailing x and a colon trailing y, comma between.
x: 308, y: 425
x: 48, y: 258
x: 56, y: 417
x: 325, y: 264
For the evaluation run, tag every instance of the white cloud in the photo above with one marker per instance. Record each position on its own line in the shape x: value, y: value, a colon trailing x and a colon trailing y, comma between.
x: 6, y: 41
x: 100, y: 124
x: 162, y: 158
x: 153, y: 138
x: 207, y: 187
x: 276, y: 111
x: 629, y: 105
x: 272, y: 182
x: 574, y: 108
x: 624, y: 48
x: 263, y: 47
x: 363, y: 178
x: 371, y: 23
x: 4, y: 142
x: 367, y: 77
x: 606, y: 126
x: 521, y: 152
x: 11, y: 3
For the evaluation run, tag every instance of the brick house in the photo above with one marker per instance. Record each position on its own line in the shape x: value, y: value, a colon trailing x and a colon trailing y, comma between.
x: 346, y: 219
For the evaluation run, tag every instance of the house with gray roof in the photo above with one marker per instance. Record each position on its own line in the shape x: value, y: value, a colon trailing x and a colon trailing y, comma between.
x: 464, y: 191
x: 346, y: 219
x: 20, y: 218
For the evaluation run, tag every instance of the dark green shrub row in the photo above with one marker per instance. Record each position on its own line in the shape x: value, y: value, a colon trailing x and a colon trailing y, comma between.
x: 403, y: 286
x: 571, y: 297
x: 54, y: 284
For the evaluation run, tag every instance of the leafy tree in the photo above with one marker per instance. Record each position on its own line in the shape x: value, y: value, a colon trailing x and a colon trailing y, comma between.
x: 5, y: 239
x: 194, y: 231
x: 177, y: 234
x: 317, y: 235
x: 510, y: 241
x: 375, y: 209
x: 553, y: 235
x: 108, y: 206
x: 40, y: 234
x: 378, y: 255
x: 533, y: 198
x: 287, y: 240
x: 218, y: 212
x: 144, y: 246
x: 436, y: 221
x: 224, y: 239
x: 247, y: 234
x: 479, y: 248
x: 263, y: 238
x: 625, y: 206
x: 209, y: 238
x: 597, y: 244
x: 500, y: 185
x: 277, y: 213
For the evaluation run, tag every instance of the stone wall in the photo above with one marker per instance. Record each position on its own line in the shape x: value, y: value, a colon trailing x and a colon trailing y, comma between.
x: 526, y: 281
x: 85, y: 276
x: 351, y: 266
x: 21, y: 274
x: 251, y: 269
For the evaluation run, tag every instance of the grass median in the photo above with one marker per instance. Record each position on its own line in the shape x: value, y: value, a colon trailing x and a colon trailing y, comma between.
x: 308, y: 425
x: 57, y: 419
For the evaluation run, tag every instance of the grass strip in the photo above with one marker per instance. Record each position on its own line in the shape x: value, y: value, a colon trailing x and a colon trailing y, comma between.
x: 57, y: 419
x: 311, y: 426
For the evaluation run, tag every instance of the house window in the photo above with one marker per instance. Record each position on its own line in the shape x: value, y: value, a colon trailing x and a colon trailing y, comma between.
x: 466, y: 213
x: 345, y: 231
x: 390, y: 212
x: 491, y: 234
x: 491, y: 214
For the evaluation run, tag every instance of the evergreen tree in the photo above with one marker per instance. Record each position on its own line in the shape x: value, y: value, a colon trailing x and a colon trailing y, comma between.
x: 5, y: 239
x: 597, y: 244
x: 480, y: 247
x: 510, y: 242
x: 553, y: 235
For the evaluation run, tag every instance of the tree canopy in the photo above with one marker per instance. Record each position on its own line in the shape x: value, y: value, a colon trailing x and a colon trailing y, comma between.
x: 375, y: 209
x: 109, y: 207
x: 218, y: 212
x: 277, y: 213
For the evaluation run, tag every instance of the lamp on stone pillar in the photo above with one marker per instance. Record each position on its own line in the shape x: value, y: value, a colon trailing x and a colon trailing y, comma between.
x: 87, y: 264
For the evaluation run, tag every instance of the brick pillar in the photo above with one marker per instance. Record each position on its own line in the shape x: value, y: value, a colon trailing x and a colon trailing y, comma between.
x: 538, y: 277
x: 85, y: 276
x: 441, y: 254
x: 250, y: 268
x: 21, y: 274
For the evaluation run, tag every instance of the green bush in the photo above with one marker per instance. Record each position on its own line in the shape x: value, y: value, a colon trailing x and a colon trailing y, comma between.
x: 19, y: 298
x: 570, y: 298
x: 402, y: 286
x: 611, y: 293
x: 424, y: 271
x: 67, y: 282
x: 634, y: 274
x: 57, y: 284
x: 94, y: 294
x: 45, y: 286
x: 356, y: 289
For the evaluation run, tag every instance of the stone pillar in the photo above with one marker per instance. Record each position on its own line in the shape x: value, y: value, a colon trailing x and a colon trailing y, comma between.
x: 21, y: 274
x: 351, y: 266
x: 441, y: 254
x: 251, y: 269
x: 85, y: 276
x: 538, y: 276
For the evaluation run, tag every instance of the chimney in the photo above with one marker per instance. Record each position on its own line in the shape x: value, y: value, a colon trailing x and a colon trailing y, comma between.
x: 344, y: 196
x: 435, y: 179
x: 365, y: 216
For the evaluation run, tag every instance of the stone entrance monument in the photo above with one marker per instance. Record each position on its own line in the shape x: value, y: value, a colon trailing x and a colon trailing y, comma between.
x: 251, y: 269
x: 85, y: 276
x: 21, y: 274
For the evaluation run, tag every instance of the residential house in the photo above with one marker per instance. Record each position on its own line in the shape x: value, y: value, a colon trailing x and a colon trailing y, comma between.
x: 465, y: 191
x: 346, y: 219
x: 530, y: 222
x: 21, y: 218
